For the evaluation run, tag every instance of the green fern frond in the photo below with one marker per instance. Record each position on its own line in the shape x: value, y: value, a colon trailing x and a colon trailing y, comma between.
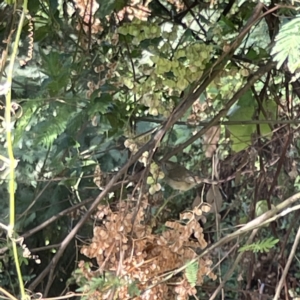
x: 191, y: 272
x: 54, y: 125
x: 261, y: 246
x: 287, y: 45
x: 76, y: 122
x: 28, y: 119
x: 50, y: 130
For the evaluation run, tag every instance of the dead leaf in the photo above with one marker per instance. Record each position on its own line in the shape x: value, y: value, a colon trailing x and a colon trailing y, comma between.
x: 97, y: 176
x: 200, y: 207
x: 210, y: 140
x: 294, y: 171
x: 205, y: 208
x: 95, y: 121
x: 245, y: 161
x: 202, y: 219
x: 197, y: 108
x: 197, y: 201
x: 215, y: 199
x: 187, y: 215
x: 197, y: 211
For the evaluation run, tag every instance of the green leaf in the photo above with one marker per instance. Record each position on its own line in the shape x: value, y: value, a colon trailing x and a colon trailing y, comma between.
x: 191, y: 272
x: 41, y: 33
x: 261, y: 207
x: 257, y: 54
x: 99, y: 104
x: 270, y: 107
x: 227, y: 25
x: 261, y: 246
x: 54, y: 86
x: 108, y: 6
x: 29, y: 219
x: 247, y: 100
x: 241, y: 134
x: 52, y: 5
x: 133, y: 289
x: 54, y: 64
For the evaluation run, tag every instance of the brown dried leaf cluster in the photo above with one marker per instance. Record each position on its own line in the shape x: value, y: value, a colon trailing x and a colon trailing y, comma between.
x: 87, y: 10
x: 97, y: 176
x: 134, y: 253
x: 179, y: 4
x: 92, y: 25
x: 136, y: 9
x: 198, y: 113
x: 106, y: 72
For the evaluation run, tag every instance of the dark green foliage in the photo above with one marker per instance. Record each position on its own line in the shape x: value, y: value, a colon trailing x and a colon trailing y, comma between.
x: 86, y: 90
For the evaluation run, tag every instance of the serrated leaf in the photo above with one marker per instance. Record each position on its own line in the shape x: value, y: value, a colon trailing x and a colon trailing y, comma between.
x: 191, y: 272
x: 287, y: 45
x: 99, y: 104
x: 261, y: 246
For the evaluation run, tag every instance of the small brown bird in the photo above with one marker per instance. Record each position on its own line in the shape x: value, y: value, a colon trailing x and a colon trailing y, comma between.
x: 178, y: 177
x: 181, y: 179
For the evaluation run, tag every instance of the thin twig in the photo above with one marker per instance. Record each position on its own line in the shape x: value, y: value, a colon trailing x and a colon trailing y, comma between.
x: 287, y: 266
x: 231, y: 270
x: 7, y: 294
